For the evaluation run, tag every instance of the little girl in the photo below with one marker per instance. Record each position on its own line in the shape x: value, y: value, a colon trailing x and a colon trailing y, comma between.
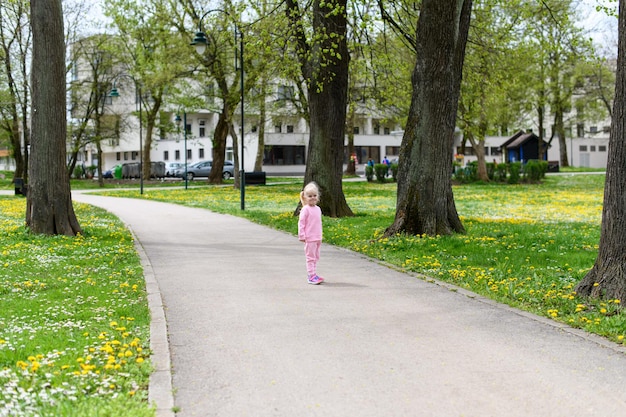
x: 310, y: 230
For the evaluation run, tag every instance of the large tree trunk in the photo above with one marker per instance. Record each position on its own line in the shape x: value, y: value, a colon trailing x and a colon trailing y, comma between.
x: 324, y: 64
x: 49, y: 208
x: 328, y: 100
x: 607, y: 278
x: 425, y: 203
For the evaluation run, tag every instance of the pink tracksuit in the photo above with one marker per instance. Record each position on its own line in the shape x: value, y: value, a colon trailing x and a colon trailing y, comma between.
x: 310, y: 231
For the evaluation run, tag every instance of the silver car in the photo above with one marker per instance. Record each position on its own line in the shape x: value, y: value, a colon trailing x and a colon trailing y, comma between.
x: 203, y: 169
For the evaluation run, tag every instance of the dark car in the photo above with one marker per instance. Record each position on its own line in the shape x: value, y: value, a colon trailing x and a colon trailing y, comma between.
x: 203, y: 169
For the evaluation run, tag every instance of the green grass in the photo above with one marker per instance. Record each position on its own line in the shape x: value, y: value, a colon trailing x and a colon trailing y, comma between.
x: 74, y: 322
x: 526, y: 245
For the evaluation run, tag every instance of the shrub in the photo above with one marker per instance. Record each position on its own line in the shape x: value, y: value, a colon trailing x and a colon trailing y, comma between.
x: 535, y: 170
x: 514, y: 172
x: 394, y: 172
x: 369, y: 173
x: 499, y: 173
x: 381, y: 171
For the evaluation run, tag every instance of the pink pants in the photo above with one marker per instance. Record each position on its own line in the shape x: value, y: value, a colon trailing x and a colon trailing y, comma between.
x: 312, y: 253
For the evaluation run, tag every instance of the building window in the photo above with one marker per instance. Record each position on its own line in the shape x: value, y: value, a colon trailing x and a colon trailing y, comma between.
x: 277, y: 129
x: 177, y: 155
x: 289, y: 128
x: 201, y: 153
x: 592, y: 148
x: 606, y: 129
x: 166, y: 155
x: 593, y: 129
x: 583, y: 148
x: 392, y: 150
x: 602, y: 148
x: 377, y: 130
x: 253, y: 129
x: 202, y: 130
x: 285, y: 92
x: 284, y: 155
x: 355, y: 130
x: 118, y: 156
x: 365, y: 153
x: 580, y: 130
x: 134, y: 155
x: 387, y: 131
x: 189, y: 154
x: 125, y: 156
x: 495, y: 151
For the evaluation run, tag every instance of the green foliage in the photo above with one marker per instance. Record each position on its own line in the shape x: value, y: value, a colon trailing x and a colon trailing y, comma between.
x: 381, y: 171
x: 515, y: 169
x: 535, y: 170
x: 394, y: 171
x: 369, y: 173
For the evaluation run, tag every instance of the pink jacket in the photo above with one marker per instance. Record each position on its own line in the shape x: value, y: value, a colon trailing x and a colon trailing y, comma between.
x: 310, y: 223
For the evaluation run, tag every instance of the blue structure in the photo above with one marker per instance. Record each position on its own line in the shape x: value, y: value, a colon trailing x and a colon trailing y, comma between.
x: 522, y: 147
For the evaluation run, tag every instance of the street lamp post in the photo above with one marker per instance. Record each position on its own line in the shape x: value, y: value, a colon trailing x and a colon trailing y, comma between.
x: 115, y: 93
x: 185, y: 136
x: 200, y: 42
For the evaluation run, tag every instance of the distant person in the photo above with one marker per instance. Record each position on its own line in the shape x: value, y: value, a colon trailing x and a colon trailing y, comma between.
x: 310, y: 230
x: 370, y: 163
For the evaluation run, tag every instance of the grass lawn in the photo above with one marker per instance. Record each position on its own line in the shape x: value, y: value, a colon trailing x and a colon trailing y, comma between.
x: 74, y: 322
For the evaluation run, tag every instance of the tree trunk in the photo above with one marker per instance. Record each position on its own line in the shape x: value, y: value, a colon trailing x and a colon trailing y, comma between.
x: 260, y: 153
x: 49, y: 207
x: 219, y: 146
x: 328, y: 100
x: 425, y: 203
x: 607, y: 278
x: 351, y: 166
x: 559, y: 126
x: 324, y: 64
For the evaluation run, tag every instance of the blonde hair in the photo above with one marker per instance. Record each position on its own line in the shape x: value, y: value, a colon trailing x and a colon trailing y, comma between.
x: 310, y: 186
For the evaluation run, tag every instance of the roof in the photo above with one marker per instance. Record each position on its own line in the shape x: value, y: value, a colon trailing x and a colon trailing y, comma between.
x: 519, y: 139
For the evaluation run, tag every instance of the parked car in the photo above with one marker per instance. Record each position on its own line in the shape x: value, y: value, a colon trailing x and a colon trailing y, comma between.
x: 203, y: 169
x: 171, y: 167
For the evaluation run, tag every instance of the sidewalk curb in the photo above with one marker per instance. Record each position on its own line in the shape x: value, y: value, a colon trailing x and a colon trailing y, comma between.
x: 160, y: 390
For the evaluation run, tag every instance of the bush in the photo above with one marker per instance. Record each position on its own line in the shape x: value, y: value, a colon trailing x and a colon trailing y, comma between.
x: 369, y: 173
x: 394, y: 172
x: 499, y: 173
x: 535, y: 170
x: 381, y: 171
x: 514, y: 172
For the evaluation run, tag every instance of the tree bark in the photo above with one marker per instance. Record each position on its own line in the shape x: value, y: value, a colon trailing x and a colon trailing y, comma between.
x: 324, y: 64
x: 49, y: 206
x: 425, y: 202
x: 607, y: 278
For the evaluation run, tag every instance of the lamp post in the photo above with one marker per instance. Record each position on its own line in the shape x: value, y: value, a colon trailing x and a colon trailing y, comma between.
x: 200, y: 42
x: 185, y: 136
x: 115, y: 93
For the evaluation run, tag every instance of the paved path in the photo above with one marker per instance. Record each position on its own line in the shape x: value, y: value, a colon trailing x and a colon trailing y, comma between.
x: 249, y: 337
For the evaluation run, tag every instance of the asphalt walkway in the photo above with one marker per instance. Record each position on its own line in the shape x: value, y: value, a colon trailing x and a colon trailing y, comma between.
x: 247, y: 336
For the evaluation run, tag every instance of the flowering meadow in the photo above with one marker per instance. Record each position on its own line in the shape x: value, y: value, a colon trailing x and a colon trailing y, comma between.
x: 526, y: 245
x: 74, y: 320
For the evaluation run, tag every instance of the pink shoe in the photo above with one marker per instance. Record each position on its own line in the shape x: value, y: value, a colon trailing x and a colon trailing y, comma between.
x: 315, y: 280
